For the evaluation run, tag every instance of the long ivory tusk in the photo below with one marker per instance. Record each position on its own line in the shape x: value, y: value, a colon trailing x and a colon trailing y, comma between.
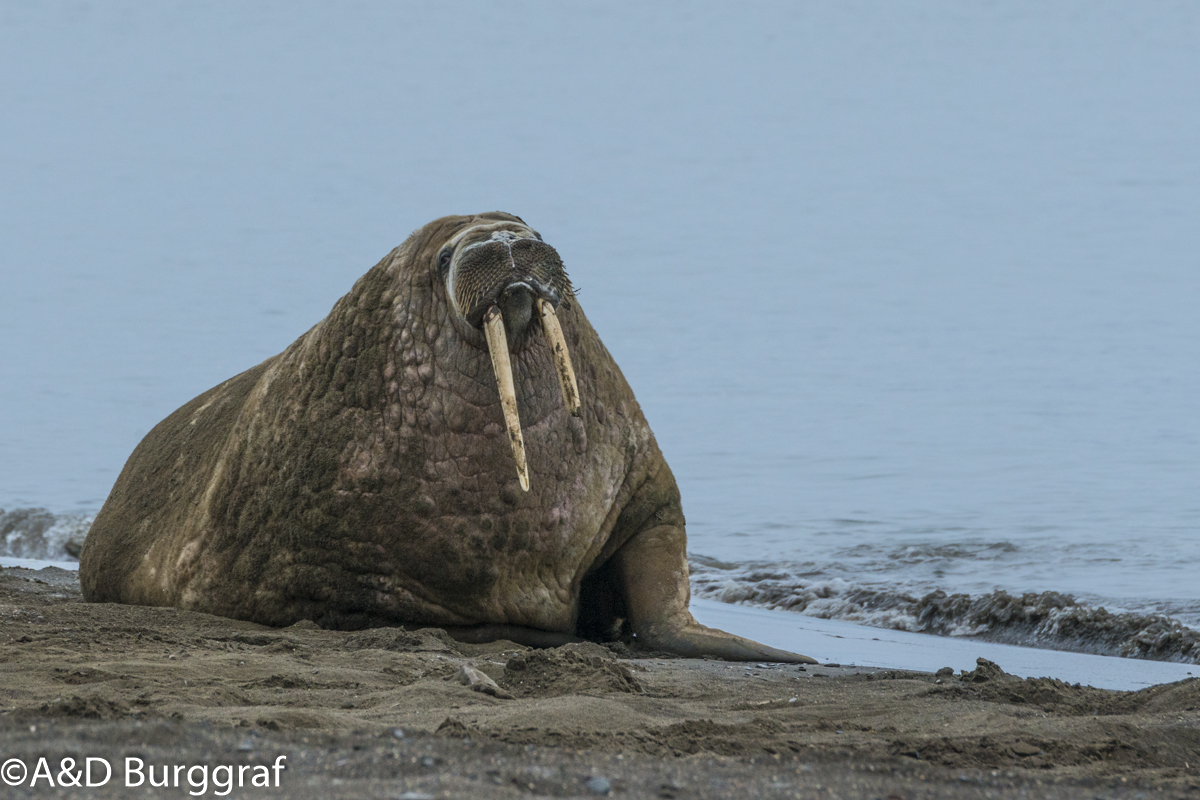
x: 562, y: 357
x: 493, y: 326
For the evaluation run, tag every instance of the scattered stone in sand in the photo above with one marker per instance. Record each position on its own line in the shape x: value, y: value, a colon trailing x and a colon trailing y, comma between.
x: 479, y: 682
x: 598, y: 785
x: 571, y: 669
x: 985, y: 671
x: 1023, y: 749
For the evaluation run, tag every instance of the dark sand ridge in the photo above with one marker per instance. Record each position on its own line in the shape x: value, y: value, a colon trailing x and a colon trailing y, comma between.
x: 175, y: 687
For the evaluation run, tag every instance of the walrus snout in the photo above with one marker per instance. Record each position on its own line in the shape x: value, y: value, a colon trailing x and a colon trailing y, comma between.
x: 484, y: 269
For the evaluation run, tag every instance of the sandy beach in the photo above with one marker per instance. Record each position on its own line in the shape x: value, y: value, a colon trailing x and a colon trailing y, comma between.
x: 382, y: 713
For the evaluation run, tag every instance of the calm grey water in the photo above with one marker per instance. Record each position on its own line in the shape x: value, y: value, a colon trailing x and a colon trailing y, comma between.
x: 909, y: 292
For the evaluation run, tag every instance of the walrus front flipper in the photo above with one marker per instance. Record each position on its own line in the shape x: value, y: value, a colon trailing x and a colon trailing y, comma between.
x: 652, y: 569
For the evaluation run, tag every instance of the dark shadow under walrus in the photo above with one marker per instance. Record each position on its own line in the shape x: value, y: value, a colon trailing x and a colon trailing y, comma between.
x: 452, y: 446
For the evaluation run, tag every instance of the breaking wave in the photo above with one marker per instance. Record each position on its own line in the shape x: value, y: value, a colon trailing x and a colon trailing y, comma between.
x: 38, y: 534
x: 1047, y: 620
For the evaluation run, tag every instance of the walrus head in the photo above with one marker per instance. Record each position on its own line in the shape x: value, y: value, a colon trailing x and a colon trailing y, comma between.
x: 501, y: 278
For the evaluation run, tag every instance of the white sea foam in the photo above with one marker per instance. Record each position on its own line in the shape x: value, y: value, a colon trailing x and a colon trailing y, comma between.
x: 35, y: 533
x: 1046, y: 619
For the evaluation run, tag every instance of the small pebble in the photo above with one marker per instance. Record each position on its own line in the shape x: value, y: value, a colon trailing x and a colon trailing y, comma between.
x: 831, y: 664
x: 428, y: 761
x: 793, y: 700
x: 246, y: 746
x: 598, y: 785
x: 399, y: 734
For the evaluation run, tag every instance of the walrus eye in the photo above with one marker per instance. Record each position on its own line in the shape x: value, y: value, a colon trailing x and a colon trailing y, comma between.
x: 444, y: 261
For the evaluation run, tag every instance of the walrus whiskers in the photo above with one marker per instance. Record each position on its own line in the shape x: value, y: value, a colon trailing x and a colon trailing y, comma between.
x: 562, y: 357
x: 493, y: 326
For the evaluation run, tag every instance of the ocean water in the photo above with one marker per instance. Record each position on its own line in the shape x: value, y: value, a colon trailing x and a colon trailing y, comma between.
x: 909, y: 293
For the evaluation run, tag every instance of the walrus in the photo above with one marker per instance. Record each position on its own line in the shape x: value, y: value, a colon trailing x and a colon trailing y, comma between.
x: 452, y: 446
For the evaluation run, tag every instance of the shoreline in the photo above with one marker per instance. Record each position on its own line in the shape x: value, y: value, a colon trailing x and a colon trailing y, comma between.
x: 851, y: 643
x: 842, y: 642
x: 166, y: 685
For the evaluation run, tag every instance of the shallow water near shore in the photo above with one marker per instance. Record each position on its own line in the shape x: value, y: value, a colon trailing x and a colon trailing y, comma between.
x: 908, y: 294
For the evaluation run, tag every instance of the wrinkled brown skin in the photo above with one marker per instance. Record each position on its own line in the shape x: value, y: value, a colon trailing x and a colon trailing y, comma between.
x: 362, y: 477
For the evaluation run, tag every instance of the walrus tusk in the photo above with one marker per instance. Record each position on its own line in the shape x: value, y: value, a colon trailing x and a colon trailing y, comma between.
x: 562, y: 357
x: 493, y: 326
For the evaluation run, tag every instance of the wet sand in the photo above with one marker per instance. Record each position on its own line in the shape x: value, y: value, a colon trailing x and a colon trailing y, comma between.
x: 382, y: 714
